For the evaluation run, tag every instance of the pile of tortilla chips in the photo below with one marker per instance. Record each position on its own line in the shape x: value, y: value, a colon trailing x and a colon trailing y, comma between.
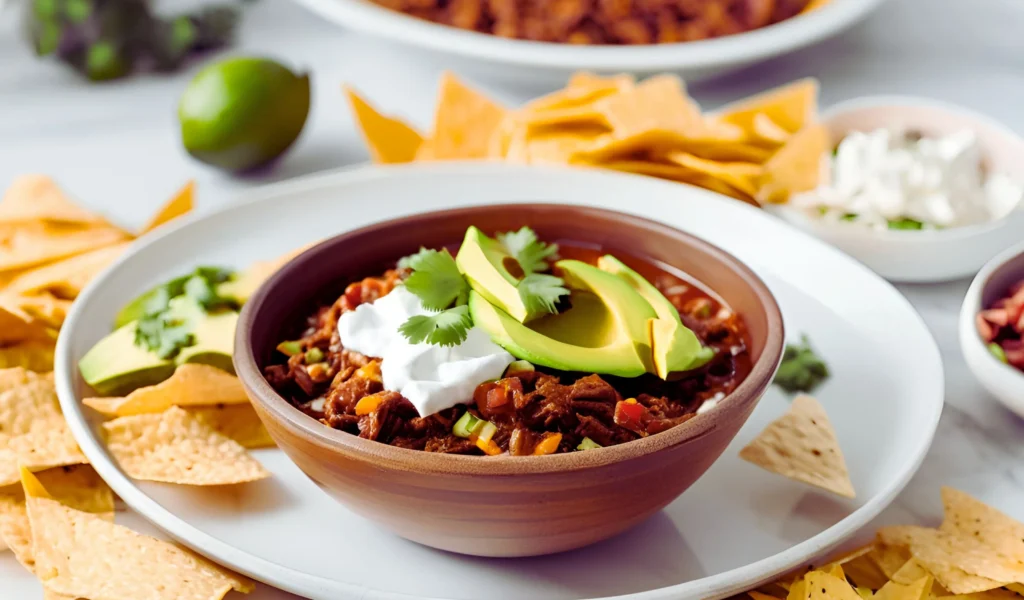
x: 976, y: 554
x: 50, y: 249
x: 759, y: 150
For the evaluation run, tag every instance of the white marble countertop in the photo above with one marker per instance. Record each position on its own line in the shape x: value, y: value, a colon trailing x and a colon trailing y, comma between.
x: 115, y: 147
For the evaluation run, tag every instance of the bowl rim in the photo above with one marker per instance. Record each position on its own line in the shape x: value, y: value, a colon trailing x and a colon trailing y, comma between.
x: 790, y: 34
x: 857, y: 104
x: 970, y: 308
x: 299, y: 424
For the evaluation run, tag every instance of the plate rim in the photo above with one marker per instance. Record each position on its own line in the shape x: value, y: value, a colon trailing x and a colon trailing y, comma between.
x: 305, y: 584
x: 797, y: 32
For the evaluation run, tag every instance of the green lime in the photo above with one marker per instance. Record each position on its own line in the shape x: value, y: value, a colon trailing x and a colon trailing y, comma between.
x: 240, y: 113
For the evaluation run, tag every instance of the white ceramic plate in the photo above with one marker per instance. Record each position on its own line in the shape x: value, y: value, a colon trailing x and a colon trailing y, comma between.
x: 535, y: 63
x: 737, y: 526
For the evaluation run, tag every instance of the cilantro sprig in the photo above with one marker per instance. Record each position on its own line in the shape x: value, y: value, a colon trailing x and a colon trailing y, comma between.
x: 540, y: 293
x: 440, y: 286
x: 531, y: 253
x: 162, y: 332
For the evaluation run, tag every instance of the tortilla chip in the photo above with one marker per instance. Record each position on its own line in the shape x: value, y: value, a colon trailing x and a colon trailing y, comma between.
x: 81, y: 555
x: 34, y: 356
x: 67, y: 278
x: 918, y: 590
x: 29, y: 244
x: 802, y: 445
x: 796, y: 167
x: 961, y: 564
x: 740, y: 175
x: 464, y: 121
x: 37, y: 198
x: 814, y: 5
x: 726, y: 151
x: 560, y: 145
x: 18, y: 326
x: 798, y: 591
x: 45, y: 307
x: 78, y: 487
x: 890, y: 558
x: 11, y: 378
x: 969, y: 517
x: 175, y: 447
x: 658, y: 104
x: 1016, y: 588
x: 792, y: 107
x: 389, y: 140
x: 865, y: 572
x: 583, y: 89
x: 822, y: 586
x: 180, y: 204
x: 756, y: 595
x: 767, y: 131
x: 190, y: 385
x: 425, y: 151
x: 238, y: 422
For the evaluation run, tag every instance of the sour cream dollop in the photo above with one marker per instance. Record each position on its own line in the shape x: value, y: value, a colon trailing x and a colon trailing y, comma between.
x: 882, y: 178
x: 431, y: 377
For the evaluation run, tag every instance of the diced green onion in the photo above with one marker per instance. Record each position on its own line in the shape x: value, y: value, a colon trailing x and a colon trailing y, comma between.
x: 290, y: 348
x: 467, y: 425
x: 519, y: 366
x: 314, y: 355
x: 486, y: 432
x: 588, y: 444
x: 997, y: 351
x: 906, y: 224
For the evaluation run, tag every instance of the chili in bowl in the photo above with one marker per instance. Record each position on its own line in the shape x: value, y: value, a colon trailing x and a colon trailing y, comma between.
x: 503, y: 380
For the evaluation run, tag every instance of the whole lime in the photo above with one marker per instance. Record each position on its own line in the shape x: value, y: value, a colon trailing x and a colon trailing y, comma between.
x: 240, y: 113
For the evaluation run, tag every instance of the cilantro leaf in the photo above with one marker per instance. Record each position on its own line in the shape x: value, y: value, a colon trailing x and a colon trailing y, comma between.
x: 163, y: 336
x: 801, y: 369
x: 406, y: 262
x: 540, y: 292
x: 436, y: 280
x: 204, y: 292
x: 446, y: 328
x: 531, y: 253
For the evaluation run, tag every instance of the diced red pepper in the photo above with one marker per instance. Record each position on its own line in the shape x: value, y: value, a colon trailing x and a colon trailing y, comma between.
x: 631, y: 415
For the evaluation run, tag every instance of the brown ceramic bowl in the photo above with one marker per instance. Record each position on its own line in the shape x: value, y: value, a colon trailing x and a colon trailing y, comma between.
x: 503, y: 505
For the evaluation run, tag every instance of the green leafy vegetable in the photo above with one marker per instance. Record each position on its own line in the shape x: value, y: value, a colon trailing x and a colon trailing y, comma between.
x: 436, y: 280
x: 406, y: 262
x: 540, y: 292
x: 998, y: 352
x: 446, y: 328
x: 204, y: 292
x: 163, y: 335
x: 848, y: 217
x: 905, y: 224
x: 801, y: 369
x: 531, y: 253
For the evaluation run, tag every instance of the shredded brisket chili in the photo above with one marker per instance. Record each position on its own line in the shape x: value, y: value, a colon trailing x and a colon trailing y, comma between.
x: 533, y: 411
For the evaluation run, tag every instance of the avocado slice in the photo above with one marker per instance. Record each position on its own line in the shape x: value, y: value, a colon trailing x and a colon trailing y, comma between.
x: 134, y: 310
x: 605, y: 331
x: 493, y: 273
x: 675, y: 347
x: 115, y: 365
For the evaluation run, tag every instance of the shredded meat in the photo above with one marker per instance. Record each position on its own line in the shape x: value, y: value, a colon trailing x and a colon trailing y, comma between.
x: 526, y: 408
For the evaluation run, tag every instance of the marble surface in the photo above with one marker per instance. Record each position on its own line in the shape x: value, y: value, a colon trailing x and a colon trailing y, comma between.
x: 115, y: 147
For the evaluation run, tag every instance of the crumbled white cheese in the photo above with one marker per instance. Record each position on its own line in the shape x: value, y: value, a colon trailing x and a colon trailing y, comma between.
x: 432, y: 378
x: 885, y: 176
x: 710, y: 403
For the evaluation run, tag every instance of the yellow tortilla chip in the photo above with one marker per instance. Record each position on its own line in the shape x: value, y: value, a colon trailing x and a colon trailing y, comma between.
x: 175, y: 447
x: 34, y: 356
x: 658, y: 104
x: 792, y: 107
x: 43, y: 307
x: 768, y: 131
x: 969, y: 517
x: 946, y: 555
x: 814, y: 5
x: 583, y: 88
x: 918, y: 590
x: 18, y: 326
x: 389, y: 140
x: 559, y: 145
x: 190, y: 385
x: 802, y: 445
x: 822, y: 586
x: 81, y: 555
x: 1016, y: 588
x: 29, y: 244
x: 37, y: 198
x: 890, y: 558
x: 238, y: 422
x: 464, y: 121
x: 756, y: 595
x: 67, y: 278
x: 34, y: 433
x: 864, y: 572
x: 913, y: 571
x: 78, y: 487
x: 727, y: 151
x: 798, y: 591
x: 180, y: 204
x: 740, y: 175
x: 796, y: 167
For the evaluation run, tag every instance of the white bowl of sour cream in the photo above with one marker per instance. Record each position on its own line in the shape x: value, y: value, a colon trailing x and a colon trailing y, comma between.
x: 918, y: 190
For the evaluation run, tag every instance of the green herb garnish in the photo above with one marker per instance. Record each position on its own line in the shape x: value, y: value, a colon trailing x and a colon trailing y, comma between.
x: 905, y: 224
x: 998, y: 352
x: 801, y: 369
x: 446, y: 328
x: 540, y: 293
x: 848, y: 217
x: 531, y: 253
x: 436, y: 280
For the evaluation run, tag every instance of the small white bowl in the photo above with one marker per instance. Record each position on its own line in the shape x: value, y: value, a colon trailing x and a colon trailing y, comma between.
x: 993, y: 282
x: 928, y: 255
x: 546, y: 64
